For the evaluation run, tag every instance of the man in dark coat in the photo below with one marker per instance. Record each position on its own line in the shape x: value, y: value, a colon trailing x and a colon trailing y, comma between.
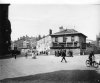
x: 63, y: 56
x: 91, y: 56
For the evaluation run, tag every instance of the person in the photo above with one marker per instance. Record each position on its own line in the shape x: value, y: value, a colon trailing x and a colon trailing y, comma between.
x: 63, y: 56
x: 33, y: 55
x: 71, y: 53
x: 58, y: 53
x: 55, y: 53
x: 14, y: 53
x: 26, y: 54
x: 91, y: 57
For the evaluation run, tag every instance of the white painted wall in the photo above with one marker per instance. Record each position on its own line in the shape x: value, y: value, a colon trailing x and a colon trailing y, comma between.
x: 44, y: 44
x: 76, y: 38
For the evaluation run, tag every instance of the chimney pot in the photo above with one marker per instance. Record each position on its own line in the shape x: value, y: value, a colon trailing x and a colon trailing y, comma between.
x: 50, y: 31
x: 61, y: 28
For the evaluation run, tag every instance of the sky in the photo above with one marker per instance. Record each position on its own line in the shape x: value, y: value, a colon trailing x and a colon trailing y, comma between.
x: 51, y: 1
x: 35, y: 19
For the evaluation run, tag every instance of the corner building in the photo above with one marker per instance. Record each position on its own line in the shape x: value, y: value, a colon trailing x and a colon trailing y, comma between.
x: 67, y: 39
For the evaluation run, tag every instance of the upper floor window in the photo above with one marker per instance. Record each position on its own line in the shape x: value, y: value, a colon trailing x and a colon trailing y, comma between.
x: 60, y: 39
x: 72, y: 38
x: 56, y: 39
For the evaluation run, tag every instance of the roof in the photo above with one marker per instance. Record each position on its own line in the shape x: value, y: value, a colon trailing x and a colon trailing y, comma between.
x: 67, y: 31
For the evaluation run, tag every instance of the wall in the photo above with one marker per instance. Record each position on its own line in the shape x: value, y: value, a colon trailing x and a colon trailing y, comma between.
x: 44, y: 44
x: 5, y: 30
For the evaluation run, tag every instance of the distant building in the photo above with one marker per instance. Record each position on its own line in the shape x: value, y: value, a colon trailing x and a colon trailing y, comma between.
x: 24, y: 43
x: 90, y: 47
x: 44, y: 44
x: 67, y: 39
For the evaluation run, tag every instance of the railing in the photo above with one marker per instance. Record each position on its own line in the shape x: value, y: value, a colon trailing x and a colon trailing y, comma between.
x: 59, y: 44
x: 64, y: 44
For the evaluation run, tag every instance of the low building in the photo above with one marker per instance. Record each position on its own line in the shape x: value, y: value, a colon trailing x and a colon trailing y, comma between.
x: 67, y: 39
x: 24, y: 43
x: 44, y: 44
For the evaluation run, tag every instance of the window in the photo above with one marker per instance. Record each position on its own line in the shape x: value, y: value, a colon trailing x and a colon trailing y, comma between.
x: 72, y: 38
x: 56, y: 39
x: 75, y: 44
x: 60, y: 39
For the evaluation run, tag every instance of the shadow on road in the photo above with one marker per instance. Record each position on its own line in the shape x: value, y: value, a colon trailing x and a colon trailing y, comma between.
x: 63, y: 76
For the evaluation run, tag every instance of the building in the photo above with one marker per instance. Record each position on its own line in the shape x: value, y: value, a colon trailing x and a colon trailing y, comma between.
x: 5, y: 30
x: 44, y: 44
x: 90, y: 47
x: 24, y: 43
x: 67, y: 39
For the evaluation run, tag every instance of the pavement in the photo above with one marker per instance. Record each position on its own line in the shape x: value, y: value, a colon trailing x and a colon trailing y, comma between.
x: 44, y: 67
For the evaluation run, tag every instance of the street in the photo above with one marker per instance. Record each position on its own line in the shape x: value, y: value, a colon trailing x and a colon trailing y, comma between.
x: 48, y: 69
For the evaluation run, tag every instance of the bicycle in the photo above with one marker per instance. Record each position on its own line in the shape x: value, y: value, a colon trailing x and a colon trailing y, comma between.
x: 93, y: 64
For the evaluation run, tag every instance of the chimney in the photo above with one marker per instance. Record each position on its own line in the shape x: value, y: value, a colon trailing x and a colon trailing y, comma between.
x: 50, y: 31
x: 61, y: 28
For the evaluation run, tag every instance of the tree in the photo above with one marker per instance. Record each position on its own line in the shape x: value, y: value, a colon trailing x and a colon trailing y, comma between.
x: 39, y: 37
x: 43, y: 36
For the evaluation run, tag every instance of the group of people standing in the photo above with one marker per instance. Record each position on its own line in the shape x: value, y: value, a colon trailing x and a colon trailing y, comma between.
x: 32, y: 53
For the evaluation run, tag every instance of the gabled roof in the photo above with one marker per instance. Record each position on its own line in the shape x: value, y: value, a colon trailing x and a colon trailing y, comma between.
x: 67, y: 31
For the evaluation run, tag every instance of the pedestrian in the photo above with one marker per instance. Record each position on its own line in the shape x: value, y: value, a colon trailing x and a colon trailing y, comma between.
x: 15, y: 53
x: 33, y: 55
x: 91, y: 57
x: 63, y: 56
x: 58, y: 54
x: 26, y: 54
x: 70, y: 53
x: 55, y: 53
